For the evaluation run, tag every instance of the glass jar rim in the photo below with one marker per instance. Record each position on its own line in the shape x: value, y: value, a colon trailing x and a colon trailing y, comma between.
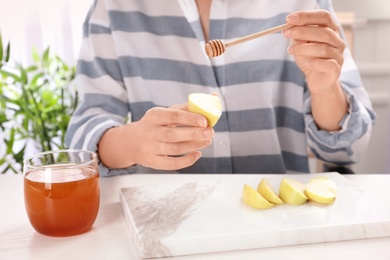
x: 94, y: 158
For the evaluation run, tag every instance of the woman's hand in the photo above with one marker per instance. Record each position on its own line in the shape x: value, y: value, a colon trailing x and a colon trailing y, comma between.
x: 317, y: 48
x: 318, y: 51
x: 164, y: 139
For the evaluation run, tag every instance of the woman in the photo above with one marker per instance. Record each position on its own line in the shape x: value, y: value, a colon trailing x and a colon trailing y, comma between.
x: 281, y: 93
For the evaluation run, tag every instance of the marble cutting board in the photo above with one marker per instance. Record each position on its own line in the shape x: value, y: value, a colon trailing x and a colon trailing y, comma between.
x: 205, y: 217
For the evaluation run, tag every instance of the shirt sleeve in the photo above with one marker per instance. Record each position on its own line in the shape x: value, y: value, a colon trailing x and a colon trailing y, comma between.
x: 347, y: 145
x: 103, y: 99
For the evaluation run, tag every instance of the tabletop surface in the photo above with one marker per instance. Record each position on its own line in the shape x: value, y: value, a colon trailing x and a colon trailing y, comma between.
x: 110, y: 237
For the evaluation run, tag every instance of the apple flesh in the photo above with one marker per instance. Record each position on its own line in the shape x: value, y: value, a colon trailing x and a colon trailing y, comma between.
x: 292, y: 192
x: 265, y: 189
x: 253, y: 199
x: 206, y: 105
x: 321, y: 190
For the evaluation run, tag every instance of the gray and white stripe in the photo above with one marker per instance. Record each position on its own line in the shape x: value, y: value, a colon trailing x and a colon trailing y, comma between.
x: 144, y: 53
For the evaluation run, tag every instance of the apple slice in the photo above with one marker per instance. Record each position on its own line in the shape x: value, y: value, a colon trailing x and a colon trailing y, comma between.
x: 207, y: 105
x: 265, y: 189
x: 253, y: 199
x: 292, y: 192
x: 321, y: 190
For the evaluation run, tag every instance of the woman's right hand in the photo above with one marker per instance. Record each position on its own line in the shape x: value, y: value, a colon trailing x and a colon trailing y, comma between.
x: 164, y: 139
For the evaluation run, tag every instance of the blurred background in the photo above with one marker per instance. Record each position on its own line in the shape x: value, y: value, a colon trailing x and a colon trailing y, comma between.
x: 370, y: 24
x: 43, y: 23
x: 58, y: 24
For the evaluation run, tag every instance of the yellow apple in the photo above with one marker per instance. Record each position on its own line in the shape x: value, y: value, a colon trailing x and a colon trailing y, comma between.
x: 207, y: 105
x: 253, y: 199
x: 265, y: 189
x: 292, y: 192
x: 321, y: 190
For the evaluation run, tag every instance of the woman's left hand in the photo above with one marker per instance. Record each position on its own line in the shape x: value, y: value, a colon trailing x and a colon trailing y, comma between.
x: 317, y: 48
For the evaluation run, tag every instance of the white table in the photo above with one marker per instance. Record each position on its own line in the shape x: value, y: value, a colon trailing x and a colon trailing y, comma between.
x: 110, y: 237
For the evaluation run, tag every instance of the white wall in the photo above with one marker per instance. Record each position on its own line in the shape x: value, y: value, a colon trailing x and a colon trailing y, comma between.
x: 42, y: 23
x: 372, y: 55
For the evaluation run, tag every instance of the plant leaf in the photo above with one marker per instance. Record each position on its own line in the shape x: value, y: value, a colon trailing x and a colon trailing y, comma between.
x: 9, y: 74
x: 45, y: 57
x: 7, y: 52
x: 10, y: 142
x: 36, y: 77
x: 1, y: 48
x: 31, y: 68
x: 35, y: 55
x: 23, y: 74
x: 6, y: 169
x: 37, y: 102
x: 19, y: 156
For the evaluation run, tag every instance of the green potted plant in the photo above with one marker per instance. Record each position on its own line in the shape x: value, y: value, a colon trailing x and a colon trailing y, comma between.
x: 36, y: 103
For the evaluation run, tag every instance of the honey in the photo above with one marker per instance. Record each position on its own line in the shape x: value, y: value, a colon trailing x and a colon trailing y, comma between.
x: 62, y: 201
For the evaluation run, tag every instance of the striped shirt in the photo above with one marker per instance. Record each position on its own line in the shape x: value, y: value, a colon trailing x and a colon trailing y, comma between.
x: 139, y: 54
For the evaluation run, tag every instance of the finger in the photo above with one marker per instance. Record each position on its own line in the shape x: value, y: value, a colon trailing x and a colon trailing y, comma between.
x: 328, y: 66
x: 177, y: 149
x: 183, y: 106
x: 180, y: 134
x: 313, y: 17
x: 295, y: 42
x: 315, y: 34
x: 316, y: 50
x: 174, y: 163
x: 169, y: 116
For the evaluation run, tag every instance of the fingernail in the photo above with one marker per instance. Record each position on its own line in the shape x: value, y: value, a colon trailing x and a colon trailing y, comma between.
x: 208, y: 133
x: 287, y: 32
x: 202, y: 122
x: 290, y: 49
x: 198, y: 155
x: 292, y: 18
x: 207, y: 142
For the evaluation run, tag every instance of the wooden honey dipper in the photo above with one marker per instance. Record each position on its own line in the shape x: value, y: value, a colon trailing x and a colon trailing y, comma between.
x: 215, y: 48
